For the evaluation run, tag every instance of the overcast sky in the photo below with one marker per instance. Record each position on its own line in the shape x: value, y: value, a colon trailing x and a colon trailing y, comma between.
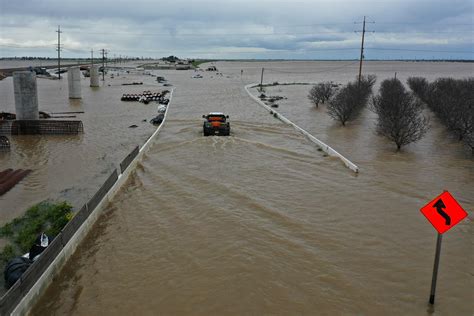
x: 239, y: 29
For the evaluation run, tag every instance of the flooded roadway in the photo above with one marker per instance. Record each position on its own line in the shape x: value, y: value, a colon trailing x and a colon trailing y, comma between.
x: 263, y: 223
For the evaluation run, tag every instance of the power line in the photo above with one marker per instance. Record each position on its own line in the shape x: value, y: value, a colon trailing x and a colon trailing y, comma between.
x: 267, y: 51
x: 312, y: 72
x: 211, y: 34
x: 422, y: 50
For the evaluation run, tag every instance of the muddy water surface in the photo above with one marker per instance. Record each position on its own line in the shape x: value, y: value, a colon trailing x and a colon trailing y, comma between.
x: 261, y: 222
x: 73, y: 167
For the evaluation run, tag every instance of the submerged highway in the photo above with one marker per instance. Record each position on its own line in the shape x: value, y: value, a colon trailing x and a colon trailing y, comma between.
x: 261, y: 222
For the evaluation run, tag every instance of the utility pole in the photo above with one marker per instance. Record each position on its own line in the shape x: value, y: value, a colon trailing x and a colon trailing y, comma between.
x: 92, y: 57
x: 362, y: 48
x: 106, y: 59
x: 103, y: 64
x: 261, y: 79
x: 59, y: 51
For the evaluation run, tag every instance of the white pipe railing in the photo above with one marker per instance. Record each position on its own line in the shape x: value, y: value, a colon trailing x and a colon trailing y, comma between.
x: 326, y: 148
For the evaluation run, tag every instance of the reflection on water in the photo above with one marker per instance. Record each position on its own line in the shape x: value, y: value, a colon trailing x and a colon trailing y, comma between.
x: 263, y: 223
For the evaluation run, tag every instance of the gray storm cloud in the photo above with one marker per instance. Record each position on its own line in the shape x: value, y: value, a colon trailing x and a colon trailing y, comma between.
x: 239, y: 29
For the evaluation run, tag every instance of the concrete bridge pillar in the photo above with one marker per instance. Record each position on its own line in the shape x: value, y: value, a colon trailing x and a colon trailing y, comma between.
x: 74, y: 82
x: 94, y: 72
x: 26, y: 95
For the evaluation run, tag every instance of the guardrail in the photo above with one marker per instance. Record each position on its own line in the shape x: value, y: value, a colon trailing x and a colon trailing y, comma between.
x: 27, y: 290
x: 326, y: 148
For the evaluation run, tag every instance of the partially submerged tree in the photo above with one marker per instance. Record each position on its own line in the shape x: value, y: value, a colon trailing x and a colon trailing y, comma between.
x: 399, y: 113
x: 452, y: 100
x: 321, y: 93
x: 350, y: 100
x: 419, y: 86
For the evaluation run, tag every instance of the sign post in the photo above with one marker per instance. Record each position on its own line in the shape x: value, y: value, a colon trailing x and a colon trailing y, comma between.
x: 444, y: 212
x: 435, y: 268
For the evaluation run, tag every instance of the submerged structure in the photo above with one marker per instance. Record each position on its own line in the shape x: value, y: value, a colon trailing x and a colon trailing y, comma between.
x: 27, y: 120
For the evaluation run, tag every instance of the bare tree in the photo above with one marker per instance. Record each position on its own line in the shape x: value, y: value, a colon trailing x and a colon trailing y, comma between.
x: 321, y: 93
x: 350, y: 100
x: 452, y: 100
x: 419, y: 86
x: 399, y: 114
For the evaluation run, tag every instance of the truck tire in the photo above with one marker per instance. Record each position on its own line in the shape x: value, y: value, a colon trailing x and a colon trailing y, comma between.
x: 14, y: 269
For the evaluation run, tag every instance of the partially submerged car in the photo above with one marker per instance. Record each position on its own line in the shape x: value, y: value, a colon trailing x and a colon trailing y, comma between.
x: 216, y: 124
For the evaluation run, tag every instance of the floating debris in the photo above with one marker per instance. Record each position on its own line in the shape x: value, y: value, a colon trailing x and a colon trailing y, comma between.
x: 158, y: 119
x: 132, y: 84
x: 9, y: 178
x: 44, y: 115
x: 4, y: 143
x: 162, y: 108
x: 7, y: 116
x: 147, y: 96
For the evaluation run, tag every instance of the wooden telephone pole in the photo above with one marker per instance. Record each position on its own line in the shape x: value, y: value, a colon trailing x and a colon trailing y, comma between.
x: 362, y: 48
x: 104, y: 53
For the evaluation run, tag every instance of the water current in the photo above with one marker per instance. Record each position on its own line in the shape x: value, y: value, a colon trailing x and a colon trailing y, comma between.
x: 261, y: 222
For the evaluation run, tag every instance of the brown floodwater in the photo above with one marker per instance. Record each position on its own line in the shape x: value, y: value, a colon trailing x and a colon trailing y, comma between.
x: 261, y: 222
x: 72, y: 167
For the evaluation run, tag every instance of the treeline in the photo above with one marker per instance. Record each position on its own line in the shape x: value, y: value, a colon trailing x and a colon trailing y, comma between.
x: 452, y: 101
x: 400, y: 112
x: 344, y: 103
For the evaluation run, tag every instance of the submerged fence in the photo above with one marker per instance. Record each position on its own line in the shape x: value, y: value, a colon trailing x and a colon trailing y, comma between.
x: 41, y: 127
x: 326, y: 148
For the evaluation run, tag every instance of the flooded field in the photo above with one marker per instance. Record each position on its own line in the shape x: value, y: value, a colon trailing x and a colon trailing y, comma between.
x: 74, y: 167
x: 261, y: 222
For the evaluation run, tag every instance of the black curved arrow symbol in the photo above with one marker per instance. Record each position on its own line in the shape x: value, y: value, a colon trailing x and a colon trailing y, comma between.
x: 439, y: 205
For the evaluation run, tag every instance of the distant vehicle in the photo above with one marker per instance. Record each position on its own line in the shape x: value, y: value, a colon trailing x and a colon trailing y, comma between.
x: 211, y: 68
x: 41, y: 71
x: 216, y: 124
x: 197, y: 76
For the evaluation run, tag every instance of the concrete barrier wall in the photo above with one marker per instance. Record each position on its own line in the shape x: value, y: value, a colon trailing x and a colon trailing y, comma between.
x: 326, y: 148
x: 127, y: 160
x: 26, y: 292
